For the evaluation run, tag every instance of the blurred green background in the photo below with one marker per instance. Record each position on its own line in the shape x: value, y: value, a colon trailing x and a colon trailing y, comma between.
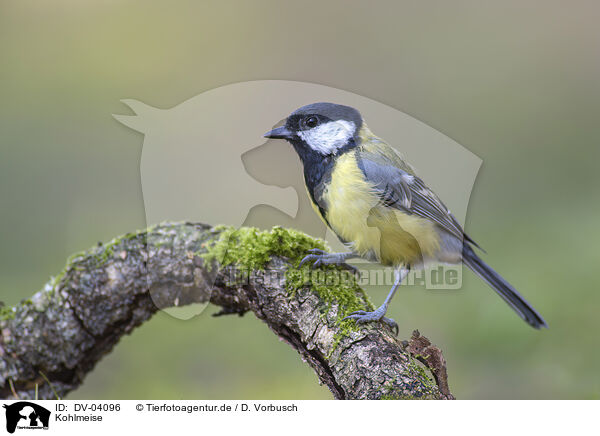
x: 515, y: 82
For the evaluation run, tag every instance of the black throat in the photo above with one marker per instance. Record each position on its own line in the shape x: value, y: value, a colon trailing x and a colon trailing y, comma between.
x: 318, y: 168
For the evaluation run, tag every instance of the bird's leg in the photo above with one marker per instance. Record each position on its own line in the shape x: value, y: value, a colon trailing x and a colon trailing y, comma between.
x: 362, y: 316
x: 321, y: 257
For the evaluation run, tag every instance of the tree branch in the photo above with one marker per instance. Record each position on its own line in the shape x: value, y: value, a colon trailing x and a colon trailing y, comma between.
x: 51, y: 341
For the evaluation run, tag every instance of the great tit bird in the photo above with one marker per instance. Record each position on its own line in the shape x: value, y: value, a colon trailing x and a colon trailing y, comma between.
x: 377, y: 206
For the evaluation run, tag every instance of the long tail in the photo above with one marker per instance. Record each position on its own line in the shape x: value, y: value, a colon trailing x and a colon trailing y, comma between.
x: 503, y: 288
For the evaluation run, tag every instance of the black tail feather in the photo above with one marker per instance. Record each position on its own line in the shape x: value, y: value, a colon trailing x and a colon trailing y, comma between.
x: 503, y: 288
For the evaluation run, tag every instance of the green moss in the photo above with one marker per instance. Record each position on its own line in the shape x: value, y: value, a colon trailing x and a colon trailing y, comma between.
x: 394, y: 397
x: 107, y: 250
x: 252, y: 248
x: 333, y: 286
x: 423, y: 386
x: 55, y: 281
x: 418, y: 369
x: 163, y: 243
x: 101, y: 254
x: 400, y: 397
x: 6, y: 313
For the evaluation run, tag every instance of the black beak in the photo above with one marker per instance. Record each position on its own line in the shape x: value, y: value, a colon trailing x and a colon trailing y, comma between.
x: 279, y: 133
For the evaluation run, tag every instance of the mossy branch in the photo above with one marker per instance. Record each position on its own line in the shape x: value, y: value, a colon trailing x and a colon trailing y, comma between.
x: 51, y: 341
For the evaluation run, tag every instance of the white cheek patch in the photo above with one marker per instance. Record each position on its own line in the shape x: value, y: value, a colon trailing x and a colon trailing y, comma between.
x: 327, y: 138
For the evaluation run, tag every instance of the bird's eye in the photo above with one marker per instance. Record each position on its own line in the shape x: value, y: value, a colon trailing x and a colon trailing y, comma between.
x: 311, y: 122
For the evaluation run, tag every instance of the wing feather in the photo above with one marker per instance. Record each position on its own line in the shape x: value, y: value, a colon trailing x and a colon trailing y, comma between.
x: 399, y: 187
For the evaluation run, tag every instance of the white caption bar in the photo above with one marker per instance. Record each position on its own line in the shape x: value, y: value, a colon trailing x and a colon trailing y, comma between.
x: 294, y: 417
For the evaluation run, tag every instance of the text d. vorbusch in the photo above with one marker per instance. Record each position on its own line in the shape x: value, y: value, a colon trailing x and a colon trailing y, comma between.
x: 274, y: 408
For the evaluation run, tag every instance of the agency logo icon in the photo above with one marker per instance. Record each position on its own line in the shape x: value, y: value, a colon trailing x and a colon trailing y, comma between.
x: 26, y: 415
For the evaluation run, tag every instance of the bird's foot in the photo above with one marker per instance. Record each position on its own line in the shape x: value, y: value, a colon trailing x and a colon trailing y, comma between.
x: 362, y: 316
x: 321, y: 257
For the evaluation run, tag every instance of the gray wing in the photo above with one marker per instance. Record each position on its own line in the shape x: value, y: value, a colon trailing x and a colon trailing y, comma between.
x: 400, y: 189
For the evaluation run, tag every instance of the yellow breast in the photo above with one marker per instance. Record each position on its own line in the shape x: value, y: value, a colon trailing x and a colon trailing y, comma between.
x: 374, y: 230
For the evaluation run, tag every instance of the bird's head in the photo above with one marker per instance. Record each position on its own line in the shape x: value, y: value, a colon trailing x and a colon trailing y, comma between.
x: 320, y: 128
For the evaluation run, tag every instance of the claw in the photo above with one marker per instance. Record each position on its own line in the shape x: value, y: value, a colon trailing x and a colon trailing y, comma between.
x: 378, y: 315
x: 391, y: 324
x: 357, y: 312
x: 321, y: 257
x: 309, y: 258
x: 351, y: 268
x: 363, y: 317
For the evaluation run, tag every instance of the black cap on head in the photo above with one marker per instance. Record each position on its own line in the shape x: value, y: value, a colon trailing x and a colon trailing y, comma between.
x: 322, y: 112
x: 322, y: 128
x: 328, y: 111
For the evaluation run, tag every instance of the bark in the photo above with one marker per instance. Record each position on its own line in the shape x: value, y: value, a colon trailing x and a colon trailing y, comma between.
x: 51, y: 341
